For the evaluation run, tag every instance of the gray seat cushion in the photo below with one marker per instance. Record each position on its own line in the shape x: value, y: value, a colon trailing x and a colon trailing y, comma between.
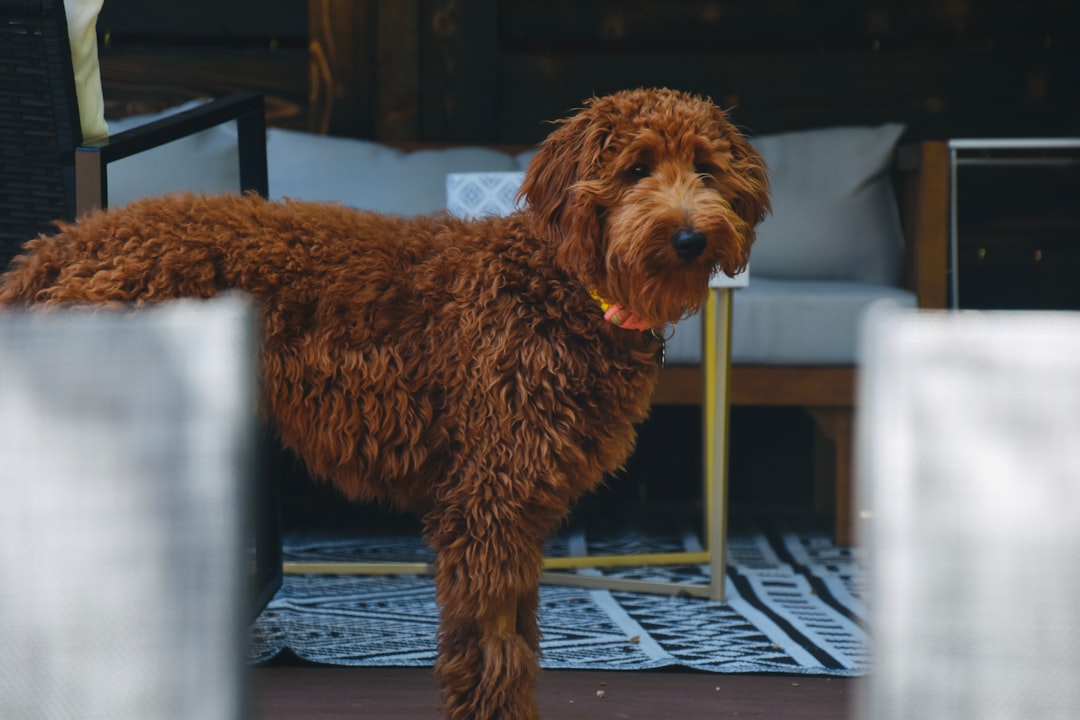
x: 791, y: 322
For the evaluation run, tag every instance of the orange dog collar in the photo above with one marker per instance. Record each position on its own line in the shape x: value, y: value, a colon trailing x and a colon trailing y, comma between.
x: 620, y: 317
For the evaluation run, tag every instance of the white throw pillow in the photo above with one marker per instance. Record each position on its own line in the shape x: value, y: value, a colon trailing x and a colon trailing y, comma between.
x: 82, y: 35
x: 834, y: 212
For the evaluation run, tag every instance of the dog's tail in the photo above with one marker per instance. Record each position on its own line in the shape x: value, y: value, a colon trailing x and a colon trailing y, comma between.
x: 143, y: 252
x: 30, y: 273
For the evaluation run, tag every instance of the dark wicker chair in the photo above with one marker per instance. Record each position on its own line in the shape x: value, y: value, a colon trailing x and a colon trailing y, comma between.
x: 48, y: 173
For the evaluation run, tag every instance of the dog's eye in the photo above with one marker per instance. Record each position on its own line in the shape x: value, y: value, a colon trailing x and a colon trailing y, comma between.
x: 639, y: 171
x: 702, y: 169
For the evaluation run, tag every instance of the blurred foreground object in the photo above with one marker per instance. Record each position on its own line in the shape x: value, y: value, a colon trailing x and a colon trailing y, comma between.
x: 126, y: 448
x: 969, y: 480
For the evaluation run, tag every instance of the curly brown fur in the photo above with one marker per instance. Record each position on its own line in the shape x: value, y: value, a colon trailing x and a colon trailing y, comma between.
x: 457, y: 369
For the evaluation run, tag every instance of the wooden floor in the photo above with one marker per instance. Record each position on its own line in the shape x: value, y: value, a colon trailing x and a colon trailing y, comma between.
x: 331, y: 693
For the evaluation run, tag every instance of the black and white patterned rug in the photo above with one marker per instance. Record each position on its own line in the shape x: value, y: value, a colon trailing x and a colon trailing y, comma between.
x: 795, y: 604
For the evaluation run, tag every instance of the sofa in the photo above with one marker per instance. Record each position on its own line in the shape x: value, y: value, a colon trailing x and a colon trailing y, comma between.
x: 836, y: 242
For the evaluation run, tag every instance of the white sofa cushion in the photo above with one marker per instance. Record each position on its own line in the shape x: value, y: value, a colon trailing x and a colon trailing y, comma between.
x: 303, y: 166
x: 834, y: 214
x: 370, y: 175
x: 205, y: 162
x: 791, y: 322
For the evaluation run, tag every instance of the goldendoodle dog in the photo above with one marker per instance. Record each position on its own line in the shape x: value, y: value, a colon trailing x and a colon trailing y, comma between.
x: 483, y: 374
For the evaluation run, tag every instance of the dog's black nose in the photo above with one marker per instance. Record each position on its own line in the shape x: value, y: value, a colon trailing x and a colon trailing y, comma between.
x: 688, y: 244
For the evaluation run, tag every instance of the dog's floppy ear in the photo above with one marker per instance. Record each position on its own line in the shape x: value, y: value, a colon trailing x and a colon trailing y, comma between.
x: 750, y: 175
x: 557, y: 188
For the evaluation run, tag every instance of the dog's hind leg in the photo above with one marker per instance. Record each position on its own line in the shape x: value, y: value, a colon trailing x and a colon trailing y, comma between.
x: 487, y: 576
x: 485, y: 672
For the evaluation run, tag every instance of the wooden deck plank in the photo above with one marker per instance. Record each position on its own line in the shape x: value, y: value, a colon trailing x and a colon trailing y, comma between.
x: 330, y: 693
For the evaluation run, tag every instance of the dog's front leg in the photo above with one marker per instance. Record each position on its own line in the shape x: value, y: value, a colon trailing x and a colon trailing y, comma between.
x: 487, y: 576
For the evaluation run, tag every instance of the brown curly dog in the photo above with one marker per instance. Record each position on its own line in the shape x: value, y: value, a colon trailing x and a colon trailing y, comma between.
x: 483, y: 374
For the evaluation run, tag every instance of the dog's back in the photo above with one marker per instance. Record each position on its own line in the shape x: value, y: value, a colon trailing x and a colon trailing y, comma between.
x: 192, y: 246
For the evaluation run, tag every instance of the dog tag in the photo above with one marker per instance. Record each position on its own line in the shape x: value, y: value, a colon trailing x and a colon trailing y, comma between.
x: 663, y: 338
x: 661, y: 353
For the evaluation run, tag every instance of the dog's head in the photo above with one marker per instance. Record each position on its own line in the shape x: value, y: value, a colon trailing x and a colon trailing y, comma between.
x: 648, y: 193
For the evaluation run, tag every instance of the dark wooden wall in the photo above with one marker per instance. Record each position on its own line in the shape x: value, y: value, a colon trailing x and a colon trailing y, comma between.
x: 159, y: 53
x: 494, y: 70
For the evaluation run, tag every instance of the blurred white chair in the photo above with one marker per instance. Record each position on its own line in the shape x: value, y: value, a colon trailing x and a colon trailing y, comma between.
x: 127, y: 446
x: 969, y: 485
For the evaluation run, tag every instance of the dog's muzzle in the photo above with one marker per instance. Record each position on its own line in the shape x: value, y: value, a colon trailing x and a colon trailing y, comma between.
x: 688, y: 243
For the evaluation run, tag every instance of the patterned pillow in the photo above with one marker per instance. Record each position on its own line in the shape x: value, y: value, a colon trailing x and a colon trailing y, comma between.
x: 472, y: 195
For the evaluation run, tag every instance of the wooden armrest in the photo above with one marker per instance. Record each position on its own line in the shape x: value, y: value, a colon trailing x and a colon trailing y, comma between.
x: 924, y: 203
x: 801, y: 385
x: 823, y: 386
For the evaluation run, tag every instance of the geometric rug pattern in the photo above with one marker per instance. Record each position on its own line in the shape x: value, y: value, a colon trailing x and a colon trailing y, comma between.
x: 795, y: 604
